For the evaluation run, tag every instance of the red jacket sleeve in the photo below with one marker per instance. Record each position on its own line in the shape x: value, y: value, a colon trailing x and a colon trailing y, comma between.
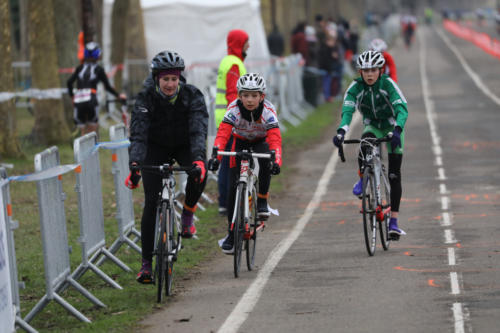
x: 392, y: 67
x: 223, y: 135
x: 273, y: 139
x: 231, y: 81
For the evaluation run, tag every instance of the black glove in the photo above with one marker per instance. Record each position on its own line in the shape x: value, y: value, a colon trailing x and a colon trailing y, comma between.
x: 275, y: 168
x: 396, y: 138
x: 339, y: 138
x: 213, y: 162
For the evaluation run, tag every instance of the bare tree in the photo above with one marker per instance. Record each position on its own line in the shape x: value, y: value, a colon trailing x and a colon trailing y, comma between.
x: 138, y: 64
x: 118, y: 36
x: 9, y: 145
x: 88, y: 21
x: 66, y: 27
x: 50, y: 126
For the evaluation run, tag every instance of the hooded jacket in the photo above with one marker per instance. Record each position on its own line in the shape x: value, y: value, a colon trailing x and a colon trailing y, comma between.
x: 157, y: 122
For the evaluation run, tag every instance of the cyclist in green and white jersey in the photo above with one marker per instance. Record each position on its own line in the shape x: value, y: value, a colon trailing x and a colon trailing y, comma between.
x: 384, y: 109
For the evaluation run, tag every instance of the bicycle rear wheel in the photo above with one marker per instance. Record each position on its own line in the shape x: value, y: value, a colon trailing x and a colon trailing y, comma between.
x: 172, y: 247
x: 368, y: 206
x: 239, y: 228
x: 251, y: 242
x: 161, y: 252
x: 385, y: 193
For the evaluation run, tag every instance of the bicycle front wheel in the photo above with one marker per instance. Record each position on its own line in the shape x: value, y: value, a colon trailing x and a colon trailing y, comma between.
x: 385, y: 192
x: 172, y: 247
x: 161, y: 252
x: 369, y: 205
x: 251, y: 241
x: 239, y: 227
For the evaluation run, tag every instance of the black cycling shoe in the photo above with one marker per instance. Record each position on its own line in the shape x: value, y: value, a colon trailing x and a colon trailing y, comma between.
x: 262, y: 209
x: 228, y: 244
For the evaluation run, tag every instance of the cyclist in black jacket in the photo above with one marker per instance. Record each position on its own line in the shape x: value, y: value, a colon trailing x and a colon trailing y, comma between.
x: 169, y: 121
x: 87, y: 76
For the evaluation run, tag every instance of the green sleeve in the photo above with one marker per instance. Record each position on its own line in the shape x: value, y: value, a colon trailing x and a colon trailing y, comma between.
x: 349, y: 105
x: 398, y: 102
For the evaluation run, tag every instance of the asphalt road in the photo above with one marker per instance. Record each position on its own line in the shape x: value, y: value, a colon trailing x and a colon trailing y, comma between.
x: 314, y: 274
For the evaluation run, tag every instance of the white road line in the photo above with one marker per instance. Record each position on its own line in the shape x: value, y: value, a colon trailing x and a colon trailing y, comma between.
x: 250, y: 298
x: 473, y: 75
x: 442, y: 189
x: 445, y: 201
x: 459, y: 318
x: 449, y: 236
x: 441, y: 174
x: 451, y: 256
x: 446, y: 222
x: 455, y: 288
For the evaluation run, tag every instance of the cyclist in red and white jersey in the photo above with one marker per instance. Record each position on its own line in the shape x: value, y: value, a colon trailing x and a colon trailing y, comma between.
x: 252, y: 121
x: 389, y: 68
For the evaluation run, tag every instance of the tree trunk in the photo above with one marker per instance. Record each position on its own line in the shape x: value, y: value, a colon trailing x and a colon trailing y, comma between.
x: 9, y: 145
x: 50, y: 126
x: 88, y: 21
x: 137, y: 62
x: 98, y: 7
x: 118, y: 36
x: 66, y: 27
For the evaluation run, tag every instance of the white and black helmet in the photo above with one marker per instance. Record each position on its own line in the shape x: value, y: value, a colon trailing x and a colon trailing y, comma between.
x: 378, y: 45
x: 251, y: 82
x: 166, y: 60
x: 370, y: 59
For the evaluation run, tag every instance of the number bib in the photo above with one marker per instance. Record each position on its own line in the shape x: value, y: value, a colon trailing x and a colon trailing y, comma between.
x: 82, y: 96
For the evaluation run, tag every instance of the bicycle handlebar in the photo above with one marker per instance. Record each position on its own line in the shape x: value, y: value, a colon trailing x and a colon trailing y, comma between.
x: 375, y: 141
x: 166, y: 168
x: 248, y: 154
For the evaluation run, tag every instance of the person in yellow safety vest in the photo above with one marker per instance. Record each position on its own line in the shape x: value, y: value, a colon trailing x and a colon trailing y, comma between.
x: 231, y: 68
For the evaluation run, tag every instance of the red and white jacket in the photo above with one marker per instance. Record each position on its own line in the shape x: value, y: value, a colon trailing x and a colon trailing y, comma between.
x: 266, y: 126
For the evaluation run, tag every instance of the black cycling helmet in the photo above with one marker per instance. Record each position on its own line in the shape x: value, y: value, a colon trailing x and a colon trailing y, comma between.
x: 166, y: 60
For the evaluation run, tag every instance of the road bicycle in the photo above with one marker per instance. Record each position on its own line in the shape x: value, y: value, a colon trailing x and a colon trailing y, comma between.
x: 246, y: 222
x: 167, y: 239
x: 376, y: 197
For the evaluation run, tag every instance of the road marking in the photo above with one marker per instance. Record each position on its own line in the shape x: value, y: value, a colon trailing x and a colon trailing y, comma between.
x: 442, y: 188
x: 445, y: 201
x: 436, y: 148
x: 451, y: 256
x: 449, y: 237
x: 446, y: 222
x: 251, y: 296
x: 441, y: 174
x: 455, y: 288
x: 473, y: 75
x: 459, y: 318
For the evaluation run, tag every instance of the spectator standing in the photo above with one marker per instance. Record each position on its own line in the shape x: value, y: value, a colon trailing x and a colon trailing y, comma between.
x: 231, y: 68
x: 299, y: 42
x: 276, y: 42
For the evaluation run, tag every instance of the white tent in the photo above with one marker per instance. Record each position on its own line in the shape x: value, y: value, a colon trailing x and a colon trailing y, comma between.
x: 197, y: 29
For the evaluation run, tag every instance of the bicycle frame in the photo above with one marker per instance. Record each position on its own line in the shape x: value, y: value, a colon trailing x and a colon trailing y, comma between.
x: 373, y: 160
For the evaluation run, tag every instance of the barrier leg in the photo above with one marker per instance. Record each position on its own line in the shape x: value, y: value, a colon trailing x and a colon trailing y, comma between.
x: 133, y: 245
x: 70, y: 308
x: 103, y: 276
x: 116, y: 260
x: 25, y: 326
x: 85, y: 293
x: 37, y: 308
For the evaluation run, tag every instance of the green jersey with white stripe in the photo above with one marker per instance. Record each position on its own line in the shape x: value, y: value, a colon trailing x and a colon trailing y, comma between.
x: 382, y: 105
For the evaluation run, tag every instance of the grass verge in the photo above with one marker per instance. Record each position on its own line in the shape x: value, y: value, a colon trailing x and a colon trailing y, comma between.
x: 124, y: 307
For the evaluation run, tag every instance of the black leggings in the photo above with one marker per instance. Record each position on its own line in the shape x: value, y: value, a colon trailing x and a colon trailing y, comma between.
x: 395, y: 161
x: 152, y: 187
x: 234, y: 173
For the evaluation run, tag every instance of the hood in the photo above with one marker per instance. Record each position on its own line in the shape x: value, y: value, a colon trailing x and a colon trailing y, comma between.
x: 235, y: 41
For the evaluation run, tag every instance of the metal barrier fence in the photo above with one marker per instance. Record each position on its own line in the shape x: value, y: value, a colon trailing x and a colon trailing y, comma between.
x: 88, y: 187
x: 54, y: 238
x: 10, y: 226
x: 124, y: 202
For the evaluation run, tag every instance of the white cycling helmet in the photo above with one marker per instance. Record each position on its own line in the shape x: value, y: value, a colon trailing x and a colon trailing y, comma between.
x: 370, y: 59
x: 251, y: 82
x: 378, y: 45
